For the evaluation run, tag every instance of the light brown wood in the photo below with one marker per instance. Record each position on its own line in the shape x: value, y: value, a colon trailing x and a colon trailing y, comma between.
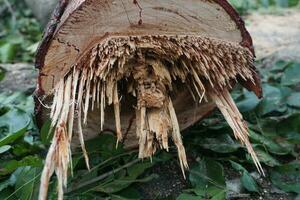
x: 97, y: 19
x: 144, y: 70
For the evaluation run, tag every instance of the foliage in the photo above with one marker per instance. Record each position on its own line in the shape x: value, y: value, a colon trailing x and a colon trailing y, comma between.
x: 245, y: 6
x: 274, y: 131
x: 19, y: 32
x: 274, y: 123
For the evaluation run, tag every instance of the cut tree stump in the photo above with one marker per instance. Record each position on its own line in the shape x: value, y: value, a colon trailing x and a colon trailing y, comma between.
x: 144, y: 70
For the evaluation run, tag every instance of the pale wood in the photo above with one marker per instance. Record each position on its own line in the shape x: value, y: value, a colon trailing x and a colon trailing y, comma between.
x: 98, y: 19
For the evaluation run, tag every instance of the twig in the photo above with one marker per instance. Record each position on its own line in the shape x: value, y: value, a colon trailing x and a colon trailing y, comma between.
x: 103, y: 176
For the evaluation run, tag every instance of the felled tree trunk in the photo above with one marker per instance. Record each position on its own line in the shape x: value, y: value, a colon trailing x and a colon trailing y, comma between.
x: 143, y: 69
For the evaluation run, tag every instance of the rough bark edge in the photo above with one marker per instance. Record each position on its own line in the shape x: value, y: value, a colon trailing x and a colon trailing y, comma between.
x: 60, y: 9
x: 49, y: 33
x: 246, y: 42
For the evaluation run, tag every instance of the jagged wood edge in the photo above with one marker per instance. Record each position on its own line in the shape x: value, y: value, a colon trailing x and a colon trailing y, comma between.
x: 56, y: 22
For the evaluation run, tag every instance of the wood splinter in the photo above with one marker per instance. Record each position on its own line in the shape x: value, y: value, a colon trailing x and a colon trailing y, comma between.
x: 102, y: 72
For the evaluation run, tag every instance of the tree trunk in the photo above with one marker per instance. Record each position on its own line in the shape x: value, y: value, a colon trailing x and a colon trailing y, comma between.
x: 141, y: 69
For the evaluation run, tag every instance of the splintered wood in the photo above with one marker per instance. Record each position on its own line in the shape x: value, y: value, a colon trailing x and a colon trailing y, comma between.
x: 148, y: 69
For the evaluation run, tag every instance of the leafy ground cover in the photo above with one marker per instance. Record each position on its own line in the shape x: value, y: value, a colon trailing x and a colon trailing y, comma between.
x: 215, y: 157
x: 19, y: 32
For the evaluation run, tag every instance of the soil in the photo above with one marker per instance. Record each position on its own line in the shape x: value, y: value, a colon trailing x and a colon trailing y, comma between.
x: 276, y: 36
x: 170, y: 182
x: 19, y: 77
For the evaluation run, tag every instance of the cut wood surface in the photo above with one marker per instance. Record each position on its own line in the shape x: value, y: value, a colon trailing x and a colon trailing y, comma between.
x: 144, y: 69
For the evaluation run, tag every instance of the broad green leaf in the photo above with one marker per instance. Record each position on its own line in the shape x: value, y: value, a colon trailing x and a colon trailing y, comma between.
x: 185, y: 196
x: 11, y: 137
x: 19, y: 100
x: 287, y: 177
x: 249, y: 102
x: 27, y: 182
x: 207, y: 173
x: 121, y: 183
x: 237, y: 166
x: 6, y: 183
x: 4, y: 148
x: 280, y: 66
x: 291, y: 75
x: 217, y: 193
x: 14, y: 120
x: 45, y: 135
x: 264, y: 157
x: 11, y: 165
x: 106, y: 144
x: 7, y: 194
x: 222, y: 144
x: 246, y: 179
x: 272, y: 102
x: 249, y: 183
x: 294, y: 100
x: 272, y: 146
x: 289, y: 124
x: 212, y: 192
x: 7, y: 52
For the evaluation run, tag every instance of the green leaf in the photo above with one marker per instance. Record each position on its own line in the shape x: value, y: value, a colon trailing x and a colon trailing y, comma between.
x: 222, y: 143
x: 7, y: 52
x: 6, y: 183
x: 185, y: 196
x: 249, y: 102
x: 291, y: 75
x: 264, y: 157
x: 14, y: 120
x: 272, y: 102
x: 280, y: 66
x: 2, y: 73
x: 12, y: 165
x: 123, y: 182
x: 294, y: 100
x: 247, y: 181
x: 237, y: 166
x: 11, y: 137
x: 27, y: 182
x: 7, y: 194
x: 18, y: 100
x: 45, y: 135
x: 4, y: 148
x: 287, y: 177
x: 217, y: 193
x: 272, y: 146
x: 105, y: 143
x: 207, y: 173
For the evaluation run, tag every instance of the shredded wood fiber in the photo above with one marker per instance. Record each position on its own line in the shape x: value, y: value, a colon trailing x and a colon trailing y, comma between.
x: 149, y: 65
